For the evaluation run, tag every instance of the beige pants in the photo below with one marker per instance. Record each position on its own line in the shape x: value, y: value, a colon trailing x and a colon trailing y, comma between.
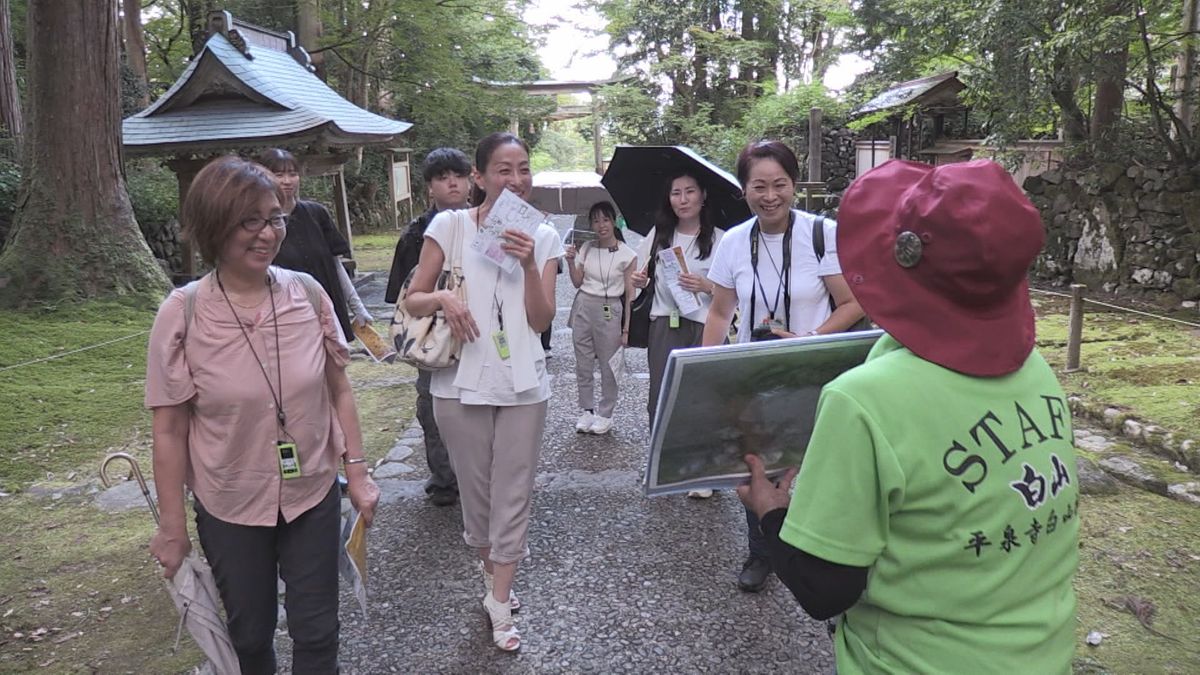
x: 494, y: 450
x: 596, y: 340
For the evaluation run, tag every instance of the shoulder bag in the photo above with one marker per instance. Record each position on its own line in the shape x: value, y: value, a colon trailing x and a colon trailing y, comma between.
x: 818, y: 242
x: 427, y: 342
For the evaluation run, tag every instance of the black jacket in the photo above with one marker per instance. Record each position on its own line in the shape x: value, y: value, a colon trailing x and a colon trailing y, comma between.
x: 408, y: 253
x: 311, y: 245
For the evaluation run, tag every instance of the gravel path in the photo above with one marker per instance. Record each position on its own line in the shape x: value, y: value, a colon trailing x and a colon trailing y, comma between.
x: 616, y: 582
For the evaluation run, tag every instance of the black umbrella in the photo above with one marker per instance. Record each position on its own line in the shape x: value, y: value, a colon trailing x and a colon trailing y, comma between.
x: 637, y: 175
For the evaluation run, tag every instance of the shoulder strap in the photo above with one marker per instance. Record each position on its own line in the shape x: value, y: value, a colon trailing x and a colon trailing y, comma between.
x: 818, y: 237
x: 313, y: 290
x: 190, y: 290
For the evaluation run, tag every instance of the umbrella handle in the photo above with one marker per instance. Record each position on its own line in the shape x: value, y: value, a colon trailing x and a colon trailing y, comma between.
x: 135, y: 471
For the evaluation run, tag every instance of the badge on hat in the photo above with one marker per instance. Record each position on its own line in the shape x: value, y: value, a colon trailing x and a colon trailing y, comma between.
x: 908, y: 249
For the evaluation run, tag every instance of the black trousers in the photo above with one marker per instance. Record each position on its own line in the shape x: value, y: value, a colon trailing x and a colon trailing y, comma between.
x: 246, y: 561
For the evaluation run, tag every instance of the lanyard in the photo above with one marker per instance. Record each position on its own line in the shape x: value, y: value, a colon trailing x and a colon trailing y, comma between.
x: 277, y: 398
x: 784, y: 275
x: 604, y: 275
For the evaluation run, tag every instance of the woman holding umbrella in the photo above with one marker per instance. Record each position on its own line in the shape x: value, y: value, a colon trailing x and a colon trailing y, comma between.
x: 768, y: 270
x: 683, y: 222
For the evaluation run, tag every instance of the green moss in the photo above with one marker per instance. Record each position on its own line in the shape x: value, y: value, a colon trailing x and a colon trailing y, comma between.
x: 373, y: 252
x: 386, y: 402
x: 64, y: 414
x: 1138, y: 545
x: 84, y: 578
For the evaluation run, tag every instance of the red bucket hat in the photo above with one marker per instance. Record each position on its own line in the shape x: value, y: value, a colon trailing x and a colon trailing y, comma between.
x: 938, y: 257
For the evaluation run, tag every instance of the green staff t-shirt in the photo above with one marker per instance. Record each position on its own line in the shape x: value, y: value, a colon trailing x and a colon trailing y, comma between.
x: 960, y: 495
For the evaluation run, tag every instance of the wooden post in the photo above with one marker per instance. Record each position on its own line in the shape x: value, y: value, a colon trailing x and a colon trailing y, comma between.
x: 342, y: 206
x: 1075, y: 330
x: 597, y: 147
x: 814, y: 145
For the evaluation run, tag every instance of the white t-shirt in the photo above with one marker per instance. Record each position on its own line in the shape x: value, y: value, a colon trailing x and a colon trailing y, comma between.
x: 604, y: 270
x: 810, y: 298
x: 664, y: 304
x: 482, y: 377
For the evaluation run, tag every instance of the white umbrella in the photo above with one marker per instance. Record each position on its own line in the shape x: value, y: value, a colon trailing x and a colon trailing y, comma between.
x: 193, y: 590
x: 567, y: 191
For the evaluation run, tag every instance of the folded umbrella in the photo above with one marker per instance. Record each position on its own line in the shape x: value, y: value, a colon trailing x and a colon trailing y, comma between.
x: 637, y: 180
x: 193, y: 590
x: 567, y: 191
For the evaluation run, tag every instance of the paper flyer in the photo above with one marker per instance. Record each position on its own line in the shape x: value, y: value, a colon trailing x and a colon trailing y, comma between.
x: 376, y: 346
x: 510, y: 212
x: 353, y: 560
x: 669, y: 266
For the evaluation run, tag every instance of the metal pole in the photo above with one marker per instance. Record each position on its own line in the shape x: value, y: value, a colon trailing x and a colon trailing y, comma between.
x: 1075, y: 331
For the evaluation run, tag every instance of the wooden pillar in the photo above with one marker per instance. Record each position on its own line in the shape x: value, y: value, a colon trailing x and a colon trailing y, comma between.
x: 597, y: 146
x: 341, y: 206
x: 185, y: 171
x: 814, y: 145
x: 1075, y: 328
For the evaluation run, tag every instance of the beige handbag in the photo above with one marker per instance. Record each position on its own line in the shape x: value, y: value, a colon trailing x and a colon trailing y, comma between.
x: 427, y: 342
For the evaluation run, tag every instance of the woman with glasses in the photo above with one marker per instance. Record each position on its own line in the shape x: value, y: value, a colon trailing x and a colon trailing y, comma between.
x: 252, y: 412
x: 313, y: 243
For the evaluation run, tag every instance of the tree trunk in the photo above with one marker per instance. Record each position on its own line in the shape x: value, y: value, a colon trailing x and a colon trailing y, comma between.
x: 1110, y: 88
x: 1062, y: 89
x: 1187, y: 64
x: 135, y: 47
x: 74, y: 234
x: 10, y: 99
x: 308, y: 25
x: 196, y: 16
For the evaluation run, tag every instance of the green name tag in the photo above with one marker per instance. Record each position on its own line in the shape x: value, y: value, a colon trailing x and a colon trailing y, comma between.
x: 289, y: 460
x: 607, y: 312
x: 501, y: 341
x: 674, y: 318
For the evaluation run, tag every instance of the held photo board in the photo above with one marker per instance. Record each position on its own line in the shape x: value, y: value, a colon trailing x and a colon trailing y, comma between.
x: 719, y: 404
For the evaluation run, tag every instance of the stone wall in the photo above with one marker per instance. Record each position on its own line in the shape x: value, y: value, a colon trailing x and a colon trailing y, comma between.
x: 164, y: 239
x: 1129, y: 230
x: 837, y: 162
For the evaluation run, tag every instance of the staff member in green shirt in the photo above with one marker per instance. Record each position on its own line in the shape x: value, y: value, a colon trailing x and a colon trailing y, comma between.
x: 936, y: 509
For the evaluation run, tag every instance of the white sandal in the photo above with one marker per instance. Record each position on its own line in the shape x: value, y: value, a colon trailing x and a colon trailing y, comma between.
x: 489, y: 583
x: 504, y: 630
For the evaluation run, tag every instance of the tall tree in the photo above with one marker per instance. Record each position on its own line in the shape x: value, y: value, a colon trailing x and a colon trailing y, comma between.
x: 10, y: 98
x: 135, y: 47
x: 75, y: 235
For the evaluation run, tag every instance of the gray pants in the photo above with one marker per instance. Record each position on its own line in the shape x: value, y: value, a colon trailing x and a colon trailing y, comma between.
x: 663, y: 340
x: 441, y: 473
x: 596, y: 339
x: 495, y: 454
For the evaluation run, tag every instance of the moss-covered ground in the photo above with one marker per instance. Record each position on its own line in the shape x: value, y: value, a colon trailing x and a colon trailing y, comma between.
x: 78, y: 589
x: 373, y: 252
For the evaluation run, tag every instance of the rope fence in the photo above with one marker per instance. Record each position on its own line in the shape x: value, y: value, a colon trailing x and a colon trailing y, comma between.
x: 73, y: 351
x: 1075, y: 326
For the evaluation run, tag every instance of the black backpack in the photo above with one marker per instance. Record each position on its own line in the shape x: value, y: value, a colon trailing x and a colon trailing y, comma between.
x: 818, y: 240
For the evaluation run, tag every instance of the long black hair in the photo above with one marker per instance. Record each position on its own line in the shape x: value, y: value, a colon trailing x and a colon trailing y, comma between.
x: 667, y: 221
x: 483, y: 154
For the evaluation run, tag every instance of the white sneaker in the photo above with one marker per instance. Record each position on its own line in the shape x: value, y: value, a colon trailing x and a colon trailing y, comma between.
x: 601, y: 425
x: 700, y: 494
x: 584, y: 425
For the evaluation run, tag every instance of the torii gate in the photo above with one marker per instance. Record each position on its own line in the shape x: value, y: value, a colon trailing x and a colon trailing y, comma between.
x: 566, y: 112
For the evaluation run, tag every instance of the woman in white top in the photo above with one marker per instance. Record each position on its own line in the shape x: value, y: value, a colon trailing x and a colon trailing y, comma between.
x: 602, y: 270
x: 491, y: 407
x: 768, y: 269
x: 683, y: 223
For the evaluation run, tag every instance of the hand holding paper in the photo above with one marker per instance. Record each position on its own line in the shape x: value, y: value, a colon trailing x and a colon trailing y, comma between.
x: 671, y: 265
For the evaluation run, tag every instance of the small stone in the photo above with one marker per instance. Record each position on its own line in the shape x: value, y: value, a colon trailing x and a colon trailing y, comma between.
x: 1132, y: 429
x: 399, y: 453
x: 1094, y: 638
x: 393, y: 470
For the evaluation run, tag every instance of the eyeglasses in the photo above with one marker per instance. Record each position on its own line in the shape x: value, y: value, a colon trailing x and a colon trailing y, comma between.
x: 257, y: 224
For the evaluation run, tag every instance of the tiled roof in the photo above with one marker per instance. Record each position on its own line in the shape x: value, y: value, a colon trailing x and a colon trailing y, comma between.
x: 907, y: 92
x: 267, y: 97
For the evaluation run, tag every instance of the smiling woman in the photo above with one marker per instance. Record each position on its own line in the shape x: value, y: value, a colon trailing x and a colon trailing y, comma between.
x: 258, y: 450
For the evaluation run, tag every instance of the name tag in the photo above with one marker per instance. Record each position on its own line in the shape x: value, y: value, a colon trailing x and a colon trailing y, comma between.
x: 289, y: 460
x: 501, y: 341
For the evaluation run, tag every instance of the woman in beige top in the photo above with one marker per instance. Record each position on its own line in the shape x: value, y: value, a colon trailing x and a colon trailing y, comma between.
x: 252, y: 410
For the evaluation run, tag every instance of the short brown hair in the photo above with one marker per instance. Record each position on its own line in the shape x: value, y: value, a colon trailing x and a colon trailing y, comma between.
x: 767, y: 149
x: 278, y: 160
x: 224, y: 190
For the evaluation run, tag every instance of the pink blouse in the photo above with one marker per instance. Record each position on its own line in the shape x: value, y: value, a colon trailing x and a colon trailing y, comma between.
x: 233, y: 463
